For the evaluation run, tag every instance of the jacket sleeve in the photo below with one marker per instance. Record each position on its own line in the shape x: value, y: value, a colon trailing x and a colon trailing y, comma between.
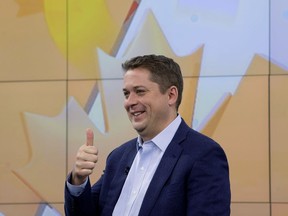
x: 209, y: 185
x: 85, y: 204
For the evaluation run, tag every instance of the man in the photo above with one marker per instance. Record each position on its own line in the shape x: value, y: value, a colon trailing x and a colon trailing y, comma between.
x: 170, y: 169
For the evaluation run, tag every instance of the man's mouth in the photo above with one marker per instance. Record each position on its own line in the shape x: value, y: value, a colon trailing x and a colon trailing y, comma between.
x: 136, y: 113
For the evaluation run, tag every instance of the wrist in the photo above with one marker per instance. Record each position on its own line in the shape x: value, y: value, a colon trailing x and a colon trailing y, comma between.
x: 77, y: 180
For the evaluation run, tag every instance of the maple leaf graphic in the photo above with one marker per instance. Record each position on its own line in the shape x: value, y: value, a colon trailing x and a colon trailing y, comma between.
x: 47, y: 135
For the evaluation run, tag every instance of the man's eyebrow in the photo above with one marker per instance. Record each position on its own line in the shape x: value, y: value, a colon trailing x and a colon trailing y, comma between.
x: 134, y: 87
x: 140, y: 86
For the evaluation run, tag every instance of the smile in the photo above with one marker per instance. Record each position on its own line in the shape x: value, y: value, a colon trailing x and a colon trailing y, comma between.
x: 137, y: 113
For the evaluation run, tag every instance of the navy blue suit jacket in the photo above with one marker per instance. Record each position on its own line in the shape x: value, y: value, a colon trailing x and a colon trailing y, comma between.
x: 191, y: 179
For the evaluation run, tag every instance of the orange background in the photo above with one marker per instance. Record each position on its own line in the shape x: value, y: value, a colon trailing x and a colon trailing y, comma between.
x: 57, y: 57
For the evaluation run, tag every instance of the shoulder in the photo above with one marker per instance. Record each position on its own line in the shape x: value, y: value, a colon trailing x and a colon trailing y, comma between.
x: 195, y: 142
x: 127, y: 145
x: 122, y: 149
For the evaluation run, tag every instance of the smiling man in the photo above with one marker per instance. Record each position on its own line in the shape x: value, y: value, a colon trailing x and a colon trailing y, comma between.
x: 169, y: 169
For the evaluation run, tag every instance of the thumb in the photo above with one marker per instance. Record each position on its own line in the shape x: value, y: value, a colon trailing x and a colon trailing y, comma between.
x: 89, y: 137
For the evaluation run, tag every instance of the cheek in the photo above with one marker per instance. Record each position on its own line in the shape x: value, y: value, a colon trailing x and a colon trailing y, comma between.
x: 125, y: 105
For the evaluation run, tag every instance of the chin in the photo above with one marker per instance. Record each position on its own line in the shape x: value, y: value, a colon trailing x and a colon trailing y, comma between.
x: 138, y: 128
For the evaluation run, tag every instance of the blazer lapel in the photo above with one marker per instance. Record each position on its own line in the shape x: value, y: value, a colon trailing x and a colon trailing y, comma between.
x: 164, y: 170
x: 119, y: 178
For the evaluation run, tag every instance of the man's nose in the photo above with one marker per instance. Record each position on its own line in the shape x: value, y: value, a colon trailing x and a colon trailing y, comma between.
x: 131, y: 99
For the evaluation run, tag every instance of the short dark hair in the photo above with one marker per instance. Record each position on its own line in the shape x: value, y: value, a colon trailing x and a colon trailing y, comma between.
x: 164, y: 71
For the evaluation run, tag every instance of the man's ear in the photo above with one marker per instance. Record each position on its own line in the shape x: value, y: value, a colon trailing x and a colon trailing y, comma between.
x: 173, y: 95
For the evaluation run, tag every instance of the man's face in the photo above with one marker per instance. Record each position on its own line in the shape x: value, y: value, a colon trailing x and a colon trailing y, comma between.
x: 148, y: 109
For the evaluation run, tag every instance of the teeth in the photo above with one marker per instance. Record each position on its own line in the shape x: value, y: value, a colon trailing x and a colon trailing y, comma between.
x: 136, y: 114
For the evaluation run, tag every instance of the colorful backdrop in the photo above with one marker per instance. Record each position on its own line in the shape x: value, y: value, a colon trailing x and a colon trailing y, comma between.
x: 60, y: 72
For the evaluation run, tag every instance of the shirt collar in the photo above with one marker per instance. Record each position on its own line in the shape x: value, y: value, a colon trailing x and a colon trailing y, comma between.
x: 163, y: 139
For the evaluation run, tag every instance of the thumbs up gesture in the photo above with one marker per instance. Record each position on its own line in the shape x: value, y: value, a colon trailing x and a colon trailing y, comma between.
x: 86, y: 158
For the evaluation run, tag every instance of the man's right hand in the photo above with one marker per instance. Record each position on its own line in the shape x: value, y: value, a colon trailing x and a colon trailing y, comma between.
x: 86, y: 158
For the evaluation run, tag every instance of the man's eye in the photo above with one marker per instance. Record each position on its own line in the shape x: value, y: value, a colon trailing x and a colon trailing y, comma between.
x: 126, y: 94
x: 140, y: 91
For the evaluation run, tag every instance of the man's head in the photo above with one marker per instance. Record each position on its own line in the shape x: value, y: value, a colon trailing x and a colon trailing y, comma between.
x: 153, y: 87
x: 164, y: 71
